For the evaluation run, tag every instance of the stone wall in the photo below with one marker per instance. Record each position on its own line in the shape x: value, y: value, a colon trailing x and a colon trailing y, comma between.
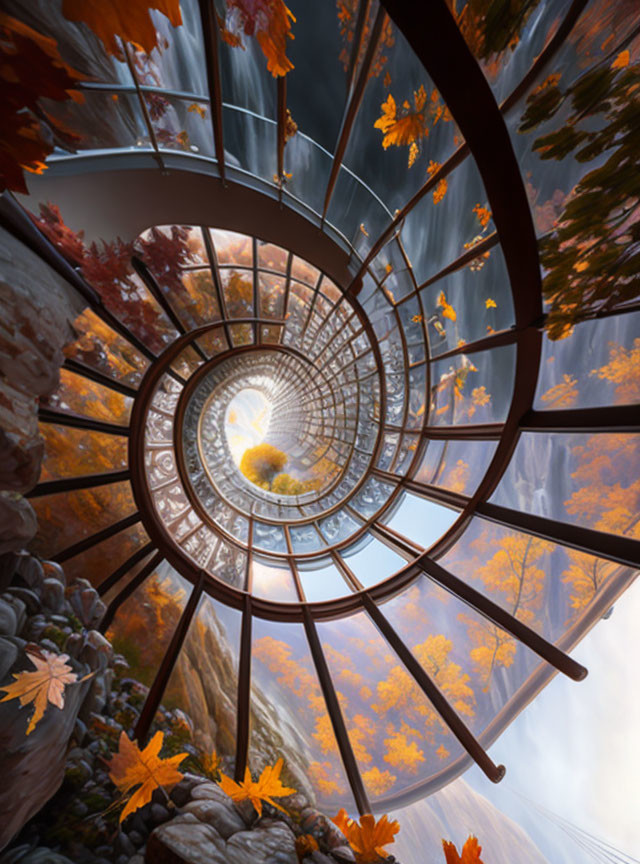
x: 37, y: 309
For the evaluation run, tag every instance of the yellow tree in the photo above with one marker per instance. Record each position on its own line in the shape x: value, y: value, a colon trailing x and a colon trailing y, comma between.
x: 514, y: 573
x: 623, y: 370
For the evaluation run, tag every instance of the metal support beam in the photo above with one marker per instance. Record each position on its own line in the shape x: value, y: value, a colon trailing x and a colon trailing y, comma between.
x: 244, y: 693
x: 77, y: 421
x: 70, y: 484
x: 128, y: 590
x: 503, y: 619
x: 211, y: 48
x: 94, y: 539
x: 494, y: 772
x: 124, y: 568
x: 624, y: 550
x: 156, y: 691
x: 335, y: 715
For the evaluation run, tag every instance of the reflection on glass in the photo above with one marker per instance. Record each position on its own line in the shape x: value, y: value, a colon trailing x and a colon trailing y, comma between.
x: 321, y: 580
x: 272, y: 579
x: 371, y: 561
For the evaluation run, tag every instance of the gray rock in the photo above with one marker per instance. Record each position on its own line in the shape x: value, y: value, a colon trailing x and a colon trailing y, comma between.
x: 27, y: 596
x: 184, y: 840
x: 343, y: 854
x: 159, y: 814
x: 8, y: 656
x: 52, y: 595
x: 221, y: 815
x: 8, y: 619
x: 136, y: 838
x: 54, y: 571
x: 18, y: 522
x: 97, y: 651
x: 123, y: 844
x: 320, y: 858
x: 31, y: 571
x: 273, y: 845
x: 85, y: 602
x: 137, y: 859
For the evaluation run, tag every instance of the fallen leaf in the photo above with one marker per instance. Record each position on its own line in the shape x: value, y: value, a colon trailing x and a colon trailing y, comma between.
x: 368, y: 838
x: 42, y: 687
x: 490, y: 304
x: 131, y: 767
x: 470, y: 852
x: 267, y: 787
x: 128, y: 19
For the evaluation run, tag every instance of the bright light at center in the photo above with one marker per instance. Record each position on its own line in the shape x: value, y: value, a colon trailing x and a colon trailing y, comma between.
x: 246, y: 421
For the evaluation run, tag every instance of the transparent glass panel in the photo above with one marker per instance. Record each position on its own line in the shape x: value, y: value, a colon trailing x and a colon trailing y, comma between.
x: 154, y: 608
x: 232, y: 248
x: 69, y: 517
x: 79, y: 395
x: 455, y: 465
x: 73, y: 452
x: 598, y: 363
x: 474, y: 388
x: 99, y: 347
x: 100, y: 561
x: 272, y: 579
x: 204, y: 683
x: 321, y: 580
x: 419, y: 520
x: 289, y: 718
x: 587, y: 479
x: 371, y: 561
x: 394, y: 730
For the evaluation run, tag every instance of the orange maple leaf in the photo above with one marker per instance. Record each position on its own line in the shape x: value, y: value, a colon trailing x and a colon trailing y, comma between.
x: 131, y: 767
x: 483, y: 214
x: 42, y: 687
x: 490, y: 304
x: 470, y: 852
x: 199, y: 109
x: 369, y: 838
x: 405, y: 128
x: 269, y: 21
x: 267, y: 787
x: 447, y: 310
x: 129, y: 19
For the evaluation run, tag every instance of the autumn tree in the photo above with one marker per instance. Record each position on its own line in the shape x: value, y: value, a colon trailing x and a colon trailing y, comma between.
x: 513, y: 574
x: 623, y: 370
x: 592, y: 256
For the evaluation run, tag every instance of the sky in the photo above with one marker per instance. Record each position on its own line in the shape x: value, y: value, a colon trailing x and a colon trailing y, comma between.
x: 575, y: 750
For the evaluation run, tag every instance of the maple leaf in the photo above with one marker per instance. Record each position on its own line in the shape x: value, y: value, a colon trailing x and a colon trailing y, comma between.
x: 447, y: 310
x: 470, y: 852
x: 369, y: 838
x: 417, y: 319
x: 44, y: 686
x: 490, y: 304
x: 406, y: 128
x: 267, y: 787
x: 131, y: 767
x: 128, y: 19
x: 269, y: 21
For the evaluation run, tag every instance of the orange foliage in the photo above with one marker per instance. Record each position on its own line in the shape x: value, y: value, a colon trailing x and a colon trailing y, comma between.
x: 457, y: 477
x: 483, y: 214
x: 266, y: 788
x: 30, y: 69
x: 131, y: 767
x: 347, y: 16
x: 470, y: 852
x: 402, y: 753
x: 623, y: 370
x: 368, y: 838
x: 305, y: 845
x: 325, y: 776
x: 44, y: 686
x: 447, y: 309
x: 562, y: 395
x: 378, y: 782
x: 585, y: 575
x: 269, y: 21
x: 128, y: 19
x: 407, y: 126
